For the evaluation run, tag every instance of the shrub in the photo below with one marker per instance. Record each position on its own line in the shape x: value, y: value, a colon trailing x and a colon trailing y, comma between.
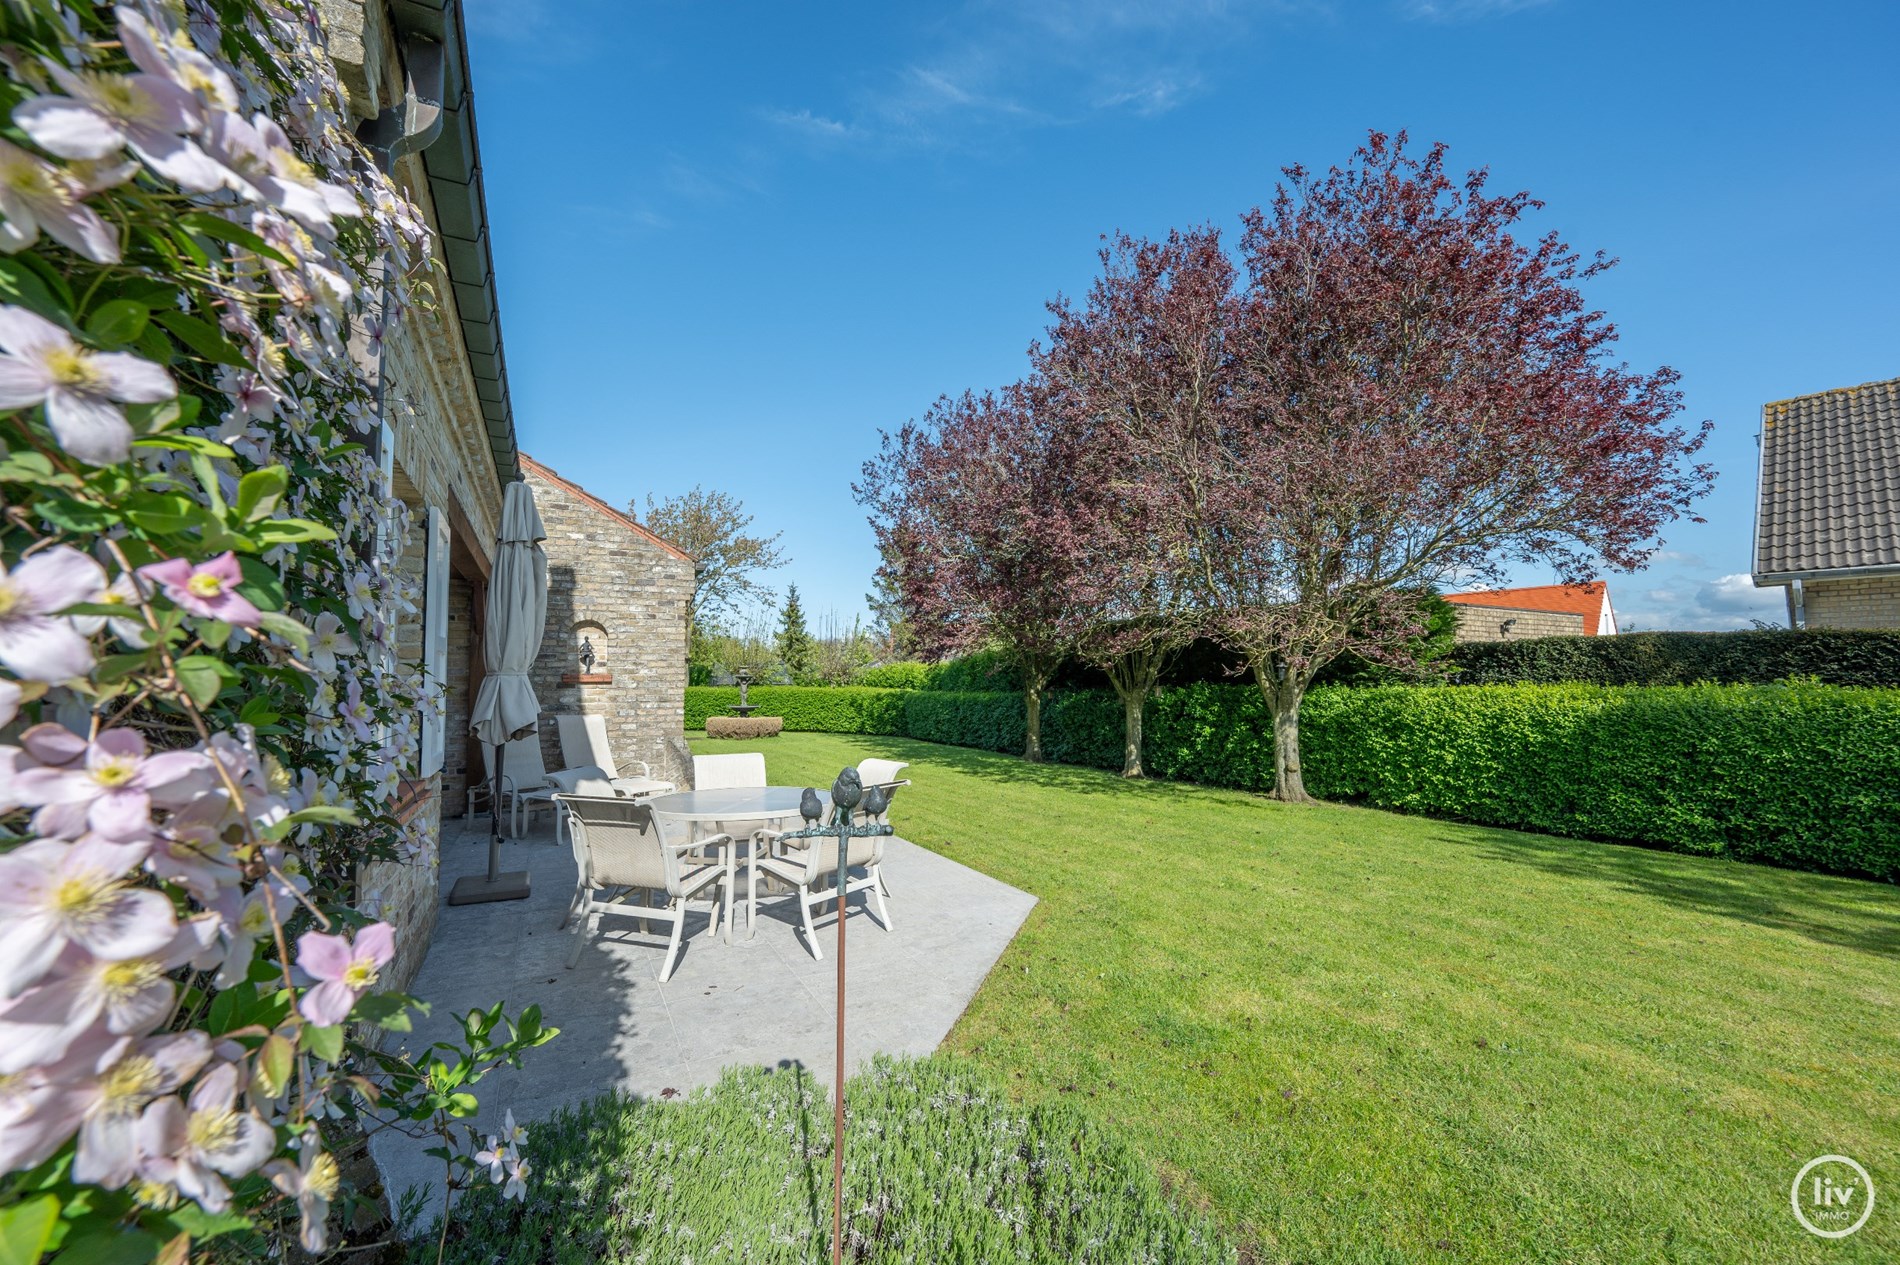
x: 895, y: 676
x: 1806, y: 776
x: 940, y: 1165
x: 743, y: 727
x: 843, y: 709
x: 982, y: 670
x: 1831, y: 655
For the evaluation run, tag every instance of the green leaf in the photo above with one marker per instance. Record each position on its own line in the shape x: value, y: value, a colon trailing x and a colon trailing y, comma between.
x: 116, y: 667
x: 202, y: 337
x: 150, y: 419
x: 24, y: 1229
x: 236, y: 235
x: 260, y: 492
x: 20, y: 286
x: 186, y: 443
x: 215, y: 633
x: 325, y: 815
x: 275, y: 1062
x: 463, y: 1105
x: 389, y: 1011
x: 199, y: 1224
x: 74, y: 516
x: 116, y: 1246
x: 165, y: 513
x: 117, y: 322
x: 154, y: 346
x: 325, y: 1043
x: 287, y: 531
x: 203, y: 678
x: 261, y: 584
x: 289, y: 629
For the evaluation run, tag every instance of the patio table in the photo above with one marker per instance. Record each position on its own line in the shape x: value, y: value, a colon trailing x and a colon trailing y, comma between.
x: 744, y: 805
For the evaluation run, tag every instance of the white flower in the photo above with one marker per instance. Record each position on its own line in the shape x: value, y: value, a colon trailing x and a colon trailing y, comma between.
x: 329, y: 641
x: 81, y: 388
x: 34, y: 195
x: 103, y: 113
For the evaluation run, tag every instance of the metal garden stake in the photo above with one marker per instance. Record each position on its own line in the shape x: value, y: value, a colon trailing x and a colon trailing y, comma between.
x: 846, y: 794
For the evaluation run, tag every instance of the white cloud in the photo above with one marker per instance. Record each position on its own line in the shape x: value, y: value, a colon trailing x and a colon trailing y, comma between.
x: 1718, y: 604
x: 814, y: 125
x: 1465, y: 10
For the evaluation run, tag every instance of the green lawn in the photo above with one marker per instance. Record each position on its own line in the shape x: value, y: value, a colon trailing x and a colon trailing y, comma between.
x: 1365, y: 1037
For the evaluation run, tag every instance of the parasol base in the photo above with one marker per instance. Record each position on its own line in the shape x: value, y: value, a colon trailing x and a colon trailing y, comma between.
x: 479, y: 889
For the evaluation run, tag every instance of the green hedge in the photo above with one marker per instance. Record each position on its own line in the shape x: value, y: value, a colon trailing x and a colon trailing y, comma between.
x: 940, y: 1165
x: 895, y: 676
x: 1804, y: 776
x: 1832, y: 656
x: 844, y: 709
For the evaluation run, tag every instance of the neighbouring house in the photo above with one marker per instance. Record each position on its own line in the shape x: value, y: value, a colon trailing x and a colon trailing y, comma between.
x: 1545, y: 610
x: 623, y: 593
x: 1827, y: 506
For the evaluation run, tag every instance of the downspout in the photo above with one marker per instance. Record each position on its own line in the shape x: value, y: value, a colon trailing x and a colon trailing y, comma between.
x: 411, y: 124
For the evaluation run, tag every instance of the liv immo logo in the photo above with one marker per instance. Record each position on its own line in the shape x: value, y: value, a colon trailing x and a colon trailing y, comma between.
x: 1832, y: 1196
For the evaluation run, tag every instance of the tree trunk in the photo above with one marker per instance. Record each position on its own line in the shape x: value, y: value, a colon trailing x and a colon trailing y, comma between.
x: 1283, y: 702
x: 1132, y: 705
x: 1134, y: 676
x: 1032, y: 720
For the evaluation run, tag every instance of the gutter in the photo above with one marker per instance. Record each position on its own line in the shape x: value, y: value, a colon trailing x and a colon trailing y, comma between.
x: 1873, y: 571
x: 437, y: 119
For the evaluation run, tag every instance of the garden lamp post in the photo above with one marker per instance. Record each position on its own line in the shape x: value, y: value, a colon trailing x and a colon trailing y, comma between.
x: 847, y: 794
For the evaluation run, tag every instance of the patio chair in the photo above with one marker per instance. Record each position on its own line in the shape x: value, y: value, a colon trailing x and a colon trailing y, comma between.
x: 810, y: 866
x: 623, y: 848
x: 744, y: 769
x: 873, y: 772
x: 524, y: 780
x: 584, y: 745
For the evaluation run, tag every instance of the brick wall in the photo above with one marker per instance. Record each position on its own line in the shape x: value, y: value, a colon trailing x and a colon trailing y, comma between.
x: 1870, y: 602
x: 611, y: 583
x: 1483, y: 623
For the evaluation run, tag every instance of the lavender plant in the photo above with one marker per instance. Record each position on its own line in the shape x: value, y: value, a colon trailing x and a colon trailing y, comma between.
x: 209, y: 719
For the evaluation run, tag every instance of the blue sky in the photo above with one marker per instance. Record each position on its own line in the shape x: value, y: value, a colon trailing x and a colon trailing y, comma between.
x: 734, y: 240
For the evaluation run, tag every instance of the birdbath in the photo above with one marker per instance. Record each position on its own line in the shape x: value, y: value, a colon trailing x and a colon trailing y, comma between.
x: 744, y: 708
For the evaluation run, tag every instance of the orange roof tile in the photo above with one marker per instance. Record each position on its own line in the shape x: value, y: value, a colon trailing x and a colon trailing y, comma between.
x: 1578, y: 599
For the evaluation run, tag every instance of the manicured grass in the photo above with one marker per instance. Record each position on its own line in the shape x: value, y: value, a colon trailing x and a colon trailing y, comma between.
x: 1363, y: 1037
x: 940, y: 1165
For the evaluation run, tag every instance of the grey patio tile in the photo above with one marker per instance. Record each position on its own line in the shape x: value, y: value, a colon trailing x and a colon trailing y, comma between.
x: 762, y: 1001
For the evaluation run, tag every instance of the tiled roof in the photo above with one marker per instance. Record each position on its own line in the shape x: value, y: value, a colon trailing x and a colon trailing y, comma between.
x: 1830, y: 482
x: 627, y: 520
x: 1570, y: 599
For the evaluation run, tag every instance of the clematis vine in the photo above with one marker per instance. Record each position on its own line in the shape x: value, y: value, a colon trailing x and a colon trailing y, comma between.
x: 53, y: 894
x: 108, y: 785
x: 36, y: 196
x: 36, y: 643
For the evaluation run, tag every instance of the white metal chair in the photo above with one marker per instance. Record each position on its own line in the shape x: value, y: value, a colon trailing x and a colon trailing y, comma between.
x: 524, y: 779
x: 875, y: 772
x: 623, y: 847
x: 584, y: 745
x: 742, y: 770
x: 810, y: 866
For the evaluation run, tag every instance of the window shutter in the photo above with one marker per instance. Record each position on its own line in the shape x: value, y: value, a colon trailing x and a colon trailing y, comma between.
x: 435, y: 637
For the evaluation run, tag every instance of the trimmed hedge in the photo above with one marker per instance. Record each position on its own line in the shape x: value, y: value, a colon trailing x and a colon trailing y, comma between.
x: 895, y: 676
x: 1797, y: 775
x: 843, y: 709
x: 1832, y: 656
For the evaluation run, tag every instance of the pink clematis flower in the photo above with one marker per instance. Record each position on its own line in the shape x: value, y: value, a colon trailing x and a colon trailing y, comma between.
x: 35, y: 641
x: 191, y: 848
x: 53, y: 894
x: 130, y: 627
x: 35, y: 195
x: 40, y: 1107
x: 313, y: 1184
x: 175, y: 59
x: 82, y: 389
x: 329, y: 639
x: 128, y: 998
x: 208, y: 589
x: 193, y: 1146
x: 130, y: 1074
x: 343, y: 971
x: 112, y: 789
x: 103, y: 113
